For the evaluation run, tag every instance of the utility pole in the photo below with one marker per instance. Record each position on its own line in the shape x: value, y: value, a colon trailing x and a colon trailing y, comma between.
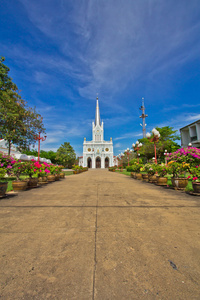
x: 143, y: 116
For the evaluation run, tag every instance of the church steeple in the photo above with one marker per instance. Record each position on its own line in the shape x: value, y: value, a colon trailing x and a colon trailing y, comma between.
x: 97, y: 117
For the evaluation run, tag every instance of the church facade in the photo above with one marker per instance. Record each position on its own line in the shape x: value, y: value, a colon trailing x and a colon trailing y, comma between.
x: 97, y: 153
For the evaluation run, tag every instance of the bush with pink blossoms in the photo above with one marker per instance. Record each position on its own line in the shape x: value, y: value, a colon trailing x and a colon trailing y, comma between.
x: 189, y: 155
x: 7, y: 162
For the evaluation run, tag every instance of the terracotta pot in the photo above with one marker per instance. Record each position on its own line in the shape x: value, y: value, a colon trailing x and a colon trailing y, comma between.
x: 196, y: 187
x: 145, y: 177
x: 75, y: 172
x: 32, y: 182
x: 179, y: 183
x: 152, y: 178
x: 121, y: 170
x: 51, y: 178
x: 3, y: 188
x: 133, y: 174
x: 62, y: 174
x: 138, y: 176
x: 42, y: 180
x: 161, y: 180
x: 57, y: 177
x: 19, y: 185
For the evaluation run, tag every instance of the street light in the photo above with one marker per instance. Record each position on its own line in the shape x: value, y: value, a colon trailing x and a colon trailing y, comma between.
x: 155, y: 139
x: 39, y: 138
x: 136, y: 147
x: 166, y: 155
x: 128, y: 152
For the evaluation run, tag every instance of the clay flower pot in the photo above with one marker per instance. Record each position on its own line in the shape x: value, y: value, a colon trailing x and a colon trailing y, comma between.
x: 179, y: 183
x: 32, y: 182
x: 62, y: 174
x: 145, y: 177
x: 161, y: 180
x: 133, y: 174
x: 152, y: 178
x: 51, y: 178
x: 196, y: 187
x: 19, y: 185
x: 57, y: 177
x: 42, y: 180
x: 138, y: 176
x: 3, y: 188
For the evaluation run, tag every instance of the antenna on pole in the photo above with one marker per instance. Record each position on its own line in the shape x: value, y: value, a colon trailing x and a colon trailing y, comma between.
x: 143, y: 116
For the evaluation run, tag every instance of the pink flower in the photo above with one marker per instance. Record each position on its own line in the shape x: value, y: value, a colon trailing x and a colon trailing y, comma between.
x: 188, y: 177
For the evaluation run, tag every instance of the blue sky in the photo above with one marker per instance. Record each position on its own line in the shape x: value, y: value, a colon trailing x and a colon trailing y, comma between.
x: 63, y: 52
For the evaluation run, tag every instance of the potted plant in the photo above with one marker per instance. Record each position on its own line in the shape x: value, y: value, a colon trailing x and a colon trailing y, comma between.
x: 62, y: 174
x: 178, y: 171
x: 43, y: 172
x: 162, y: 172
x: 19, y: 184
x: 3, y: 184
x: 144, y: 174
x: 31, y: 170
x: 151, y: 171
x: 196, y: 179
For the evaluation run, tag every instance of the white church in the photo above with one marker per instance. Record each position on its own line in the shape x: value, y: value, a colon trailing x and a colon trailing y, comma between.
x: 97, y: 153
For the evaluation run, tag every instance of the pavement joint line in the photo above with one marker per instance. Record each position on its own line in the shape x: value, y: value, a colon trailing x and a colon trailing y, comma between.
x: 95, y: 246
x: 94, y: 206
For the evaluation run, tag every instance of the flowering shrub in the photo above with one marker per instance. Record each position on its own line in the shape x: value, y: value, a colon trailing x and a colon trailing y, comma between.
x: 150, y: 168
x: 18, y: 169
x: 178, y: 169
x: 134, y: 168
x: 7, y: 162
x: 189, y: 155
x: 195, y: 171
x: 162, y: 170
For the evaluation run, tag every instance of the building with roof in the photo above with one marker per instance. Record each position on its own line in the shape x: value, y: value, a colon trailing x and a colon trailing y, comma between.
x: 97, y: 153
x: 190, y: 134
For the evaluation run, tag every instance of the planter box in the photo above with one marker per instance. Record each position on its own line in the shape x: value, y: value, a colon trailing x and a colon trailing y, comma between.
x: 3, y: 188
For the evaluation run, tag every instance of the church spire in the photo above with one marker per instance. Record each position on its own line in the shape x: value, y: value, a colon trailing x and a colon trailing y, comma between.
x: 97, y: 117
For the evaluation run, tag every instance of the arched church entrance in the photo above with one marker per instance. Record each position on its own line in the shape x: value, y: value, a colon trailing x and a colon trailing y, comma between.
x: 89, y: 162
x: 106, y: 162
x: 98, y: 162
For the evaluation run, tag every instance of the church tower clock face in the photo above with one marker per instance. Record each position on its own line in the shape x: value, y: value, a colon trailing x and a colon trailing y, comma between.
x: 89, y: 149
x: 107, y: 149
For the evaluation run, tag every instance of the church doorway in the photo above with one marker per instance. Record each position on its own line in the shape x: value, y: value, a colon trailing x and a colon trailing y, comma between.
x: 98, y: 162
x: 89, y: 162
x: 106, y: 162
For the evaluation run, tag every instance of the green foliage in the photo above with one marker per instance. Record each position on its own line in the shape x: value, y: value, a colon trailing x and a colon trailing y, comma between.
x: 167, y: 141
x: 135, y: 160
x: 162, y: 170
x: 177, y: 169
x: 18, y: 122
x: 151, y: 169
x: 66, y: 155
x: 2, y: 172
x: 44, y: 154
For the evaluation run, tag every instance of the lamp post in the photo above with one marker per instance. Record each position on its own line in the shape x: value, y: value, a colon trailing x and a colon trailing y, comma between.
x: 155, y: 139
x: 39, y: 138
x: 166, y: 155
x: 128, y: 152
x: 136, y: 147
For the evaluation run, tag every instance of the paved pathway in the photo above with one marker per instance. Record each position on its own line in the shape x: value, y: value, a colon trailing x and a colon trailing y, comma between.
x: 100, y: 235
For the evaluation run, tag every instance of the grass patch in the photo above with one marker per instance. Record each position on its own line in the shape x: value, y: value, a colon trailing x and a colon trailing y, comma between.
x: 124, y: 172
x: 67, y: 173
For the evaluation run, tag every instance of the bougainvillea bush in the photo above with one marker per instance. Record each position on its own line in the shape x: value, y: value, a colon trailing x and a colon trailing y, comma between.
x: 189, y: 155
x: 7, y: 162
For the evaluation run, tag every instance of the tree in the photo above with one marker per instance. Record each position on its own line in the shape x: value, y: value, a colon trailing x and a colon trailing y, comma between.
x: 18, y: 122
x: 167, y: 141
x: 66, y: 155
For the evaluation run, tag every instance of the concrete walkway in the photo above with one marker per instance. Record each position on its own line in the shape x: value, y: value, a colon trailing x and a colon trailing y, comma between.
x: 100, y: 235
